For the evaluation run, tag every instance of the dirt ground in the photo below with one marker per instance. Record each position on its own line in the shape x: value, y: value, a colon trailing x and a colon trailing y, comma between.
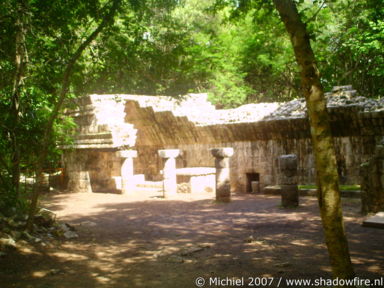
x: 127, y: 241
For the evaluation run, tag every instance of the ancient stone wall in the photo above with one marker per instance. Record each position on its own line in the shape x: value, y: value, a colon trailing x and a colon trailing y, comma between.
x: 259, y: 133
x: 259, y: 159
x: 102, y: 168
x: 372, y: 182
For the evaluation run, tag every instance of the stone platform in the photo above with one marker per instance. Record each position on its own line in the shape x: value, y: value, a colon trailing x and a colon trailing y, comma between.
x: 199, y: 179
x: 376, y: 221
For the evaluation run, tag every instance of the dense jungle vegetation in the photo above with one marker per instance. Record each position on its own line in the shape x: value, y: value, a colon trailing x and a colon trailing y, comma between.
x: 236, y: 50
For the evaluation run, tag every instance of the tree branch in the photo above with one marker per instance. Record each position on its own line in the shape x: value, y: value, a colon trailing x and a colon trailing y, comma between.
x: 69, y: 68
x: 317, y: 12
x: 58, y: 105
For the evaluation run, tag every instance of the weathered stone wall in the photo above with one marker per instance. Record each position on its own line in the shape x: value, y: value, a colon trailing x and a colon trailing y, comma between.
x: 102, y: 167
x: 260, y: 157
x: 108, y: 123
x: 372, y: 182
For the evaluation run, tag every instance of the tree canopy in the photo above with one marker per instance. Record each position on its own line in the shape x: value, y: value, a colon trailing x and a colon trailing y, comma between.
x: 238, y: 52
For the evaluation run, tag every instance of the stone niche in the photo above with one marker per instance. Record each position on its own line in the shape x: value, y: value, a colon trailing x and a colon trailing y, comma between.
x: 253, y: 182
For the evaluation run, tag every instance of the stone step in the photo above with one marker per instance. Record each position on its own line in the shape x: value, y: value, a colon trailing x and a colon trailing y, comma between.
x: 376, y: 221
x: 91, y: 136
x: 94, y: 141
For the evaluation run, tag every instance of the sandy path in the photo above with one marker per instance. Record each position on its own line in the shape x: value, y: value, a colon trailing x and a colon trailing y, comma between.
x: 149, y: 242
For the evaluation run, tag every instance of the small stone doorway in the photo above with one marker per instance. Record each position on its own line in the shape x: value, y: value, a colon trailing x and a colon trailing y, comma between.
x: 252, y: 177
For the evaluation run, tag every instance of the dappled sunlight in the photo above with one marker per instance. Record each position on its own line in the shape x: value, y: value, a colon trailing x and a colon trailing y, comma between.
x: 41, y: 273
x: 326, y: 269
x: 127, y: 242
x: 375, y: 268
x: 305, y: 243
x: 69, y: 256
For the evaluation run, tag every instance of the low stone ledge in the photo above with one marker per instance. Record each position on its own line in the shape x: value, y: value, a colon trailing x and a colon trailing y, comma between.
x: 94, y: 141
x: 91, y: 136
x: 376, y: 221
x: 98, y: 146
x: 195, y: 171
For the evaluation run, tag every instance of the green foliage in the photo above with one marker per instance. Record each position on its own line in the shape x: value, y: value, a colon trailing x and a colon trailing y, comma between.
x: 34, y: 112
x: 237, y: 50
x: 176, y: 49
x: 51, y: 34
x: 348, y: 37
x: 360, y: 45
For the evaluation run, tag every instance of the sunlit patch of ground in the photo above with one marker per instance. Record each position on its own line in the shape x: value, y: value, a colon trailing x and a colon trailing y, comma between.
x: 142, y: 241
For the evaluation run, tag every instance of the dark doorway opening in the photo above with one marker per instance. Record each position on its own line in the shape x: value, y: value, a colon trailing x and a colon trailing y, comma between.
x: 252, y: 177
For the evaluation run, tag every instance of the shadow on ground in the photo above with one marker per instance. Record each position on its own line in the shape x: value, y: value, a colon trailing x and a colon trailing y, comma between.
x: 151, y: 242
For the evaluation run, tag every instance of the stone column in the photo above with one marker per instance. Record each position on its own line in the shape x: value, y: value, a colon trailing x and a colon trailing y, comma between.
x: 169, y: 171
x: 223, y: 183
x: 127, y: 180
x: 78, y: 175
x: 288, y: 180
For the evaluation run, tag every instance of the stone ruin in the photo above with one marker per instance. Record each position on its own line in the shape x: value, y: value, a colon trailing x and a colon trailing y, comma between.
x: 372, y: 182
x: 372, y: 188
x: 125, y: 142
x: 288, y: 181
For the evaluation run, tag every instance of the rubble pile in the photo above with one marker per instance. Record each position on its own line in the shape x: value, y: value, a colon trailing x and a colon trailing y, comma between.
x: 46, y: 229
x: 341, y: 96
x: 242, y: 114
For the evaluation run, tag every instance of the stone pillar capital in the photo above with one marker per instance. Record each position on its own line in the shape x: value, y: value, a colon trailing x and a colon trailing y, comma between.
x: 224, y: 152
x: 169, y: 153
x: 127, y: 153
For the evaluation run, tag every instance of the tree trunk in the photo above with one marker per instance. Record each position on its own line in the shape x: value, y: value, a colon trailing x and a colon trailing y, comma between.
x: 323, y: 147
x: 20, y: 66
x: 108, y: 18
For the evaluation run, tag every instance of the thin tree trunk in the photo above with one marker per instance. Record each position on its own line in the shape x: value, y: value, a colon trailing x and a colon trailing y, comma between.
x: 20, y: 66
x: 57, y: 107
x: 323, y: 147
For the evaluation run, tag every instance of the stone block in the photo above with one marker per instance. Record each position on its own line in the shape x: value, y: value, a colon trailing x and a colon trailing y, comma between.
x: 288, y: 165
x: 288, y: 169
x: 79, y: 182
x: 376, y: 221
x: 289, y: 196
x: 169, y: 153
